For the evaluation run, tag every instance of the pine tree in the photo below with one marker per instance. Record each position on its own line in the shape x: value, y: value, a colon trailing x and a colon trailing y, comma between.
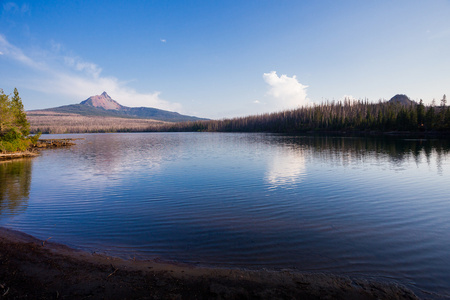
x: 14, y: 127
x: 20, y: 115
x: 444, y: 101
x: 6, y: 115
x: 430, y: 118
x: 420, y: 113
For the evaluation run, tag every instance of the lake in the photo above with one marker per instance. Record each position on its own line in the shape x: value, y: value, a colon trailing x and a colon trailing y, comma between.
x: 358, y: 206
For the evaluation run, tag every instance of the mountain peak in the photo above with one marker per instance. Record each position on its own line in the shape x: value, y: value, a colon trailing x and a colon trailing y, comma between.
x: 102, y: 101
x: 401, y: 99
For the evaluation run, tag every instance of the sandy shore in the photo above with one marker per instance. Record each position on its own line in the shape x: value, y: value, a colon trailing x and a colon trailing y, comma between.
x: 34, y: 269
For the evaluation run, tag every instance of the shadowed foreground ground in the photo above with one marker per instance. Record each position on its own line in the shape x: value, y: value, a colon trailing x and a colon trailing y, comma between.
x: 36, y: 269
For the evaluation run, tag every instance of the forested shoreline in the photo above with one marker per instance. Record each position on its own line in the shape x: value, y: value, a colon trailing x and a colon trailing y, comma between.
x: 336, y: 116
x: 398, y: 115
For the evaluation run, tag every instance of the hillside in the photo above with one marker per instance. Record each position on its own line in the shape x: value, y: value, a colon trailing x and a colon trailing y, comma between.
x: 402, y: 99
x: 55, y: 122
x: 104, y: 106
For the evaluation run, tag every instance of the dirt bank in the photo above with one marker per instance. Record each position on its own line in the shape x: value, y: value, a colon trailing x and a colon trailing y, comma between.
x: 36, y: 269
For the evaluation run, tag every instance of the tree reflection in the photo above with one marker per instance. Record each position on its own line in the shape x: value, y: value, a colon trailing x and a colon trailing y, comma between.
x: 343, y: 150
x: 15, y: 182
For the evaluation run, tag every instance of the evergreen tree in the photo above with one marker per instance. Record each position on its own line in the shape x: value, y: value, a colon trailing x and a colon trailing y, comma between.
x: 430, y: 118
x: 444, y: 101
x: 420, y: 113
x: 447, y: 119
x: 21, y: 117
x: 14, y: 127
x: 6, y: 115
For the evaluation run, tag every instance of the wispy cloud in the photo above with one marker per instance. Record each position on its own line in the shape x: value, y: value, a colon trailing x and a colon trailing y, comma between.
x: 79, y: 65
x: 69, y: 75
x: 55, y: 46
x: 15, y: 53
x: 287, y: 91
x: 12, y: 7
x: 163, y: 40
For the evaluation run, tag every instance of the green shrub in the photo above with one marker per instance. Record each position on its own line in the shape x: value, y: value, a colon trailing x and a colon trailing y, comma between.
x: 14, y: 145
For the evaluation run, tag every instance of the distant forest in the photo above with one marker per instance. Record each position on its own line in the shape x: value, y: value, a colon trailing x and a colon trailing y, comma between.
x: 338, y: 116
x: 399, y: 114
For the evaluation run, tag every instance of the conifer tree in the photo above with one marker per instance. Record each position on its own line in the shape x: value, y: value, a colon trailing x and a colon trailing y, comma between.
x: 444, y: 101
x: 21, y: 117
x: 420, y: 113
x: 14, y: 126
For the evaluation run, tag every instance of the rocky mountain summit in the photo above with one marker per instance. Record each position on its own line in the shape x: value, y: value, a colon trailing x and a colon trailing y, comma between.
x: 104, y: 106
x: 102, y: 101
x: 402, y: 99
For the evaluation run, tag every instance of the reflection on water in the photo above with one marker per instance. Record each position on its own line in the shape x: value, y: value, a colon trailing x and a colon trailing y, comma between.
x: 395, y: 151
x: 286, y: 168
x: 108, y: 155
x: 15, y: 181
x: 288, y: 164
x: 365, y: 206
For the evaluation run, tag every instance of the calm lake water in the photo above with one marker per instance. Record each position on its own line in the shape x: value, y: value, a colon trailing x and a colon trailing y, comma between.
x: 374, y: 207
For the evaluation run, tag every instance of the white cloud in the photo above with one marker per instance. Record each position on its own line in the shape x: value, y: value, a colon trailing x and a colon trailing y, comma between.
x: 14, y: 8
x: 287, y: 91
x: 256, y: 102
x: 1, y: 53
x: 56, y: 47
x: 163, y: 40
x: 10, y: 6
x: 67, y: 75
x: 15, y: 53
x: 79, y: 65
x: 25, y: 8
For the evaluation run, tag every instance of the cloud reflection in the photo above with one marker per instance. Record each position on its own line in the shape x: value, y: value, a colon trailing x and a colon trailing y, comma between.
x: 286, y: 168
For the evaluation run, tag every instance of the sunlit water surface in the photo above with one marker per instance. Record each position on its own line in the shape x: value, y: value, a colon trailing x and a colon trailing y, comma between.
x: 372, y: 207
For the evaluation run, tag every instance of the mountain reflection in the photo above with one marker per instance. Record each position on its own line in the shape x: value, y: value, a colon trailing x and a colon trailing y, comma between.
x: 109, y: 154
x: 15, y: 182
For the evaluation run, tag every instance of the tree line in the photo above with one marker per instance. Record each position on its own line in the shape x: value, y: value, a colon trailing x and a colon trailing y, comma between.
x: 14, y: 126
x: 339, y: 116
x: 331, y: 116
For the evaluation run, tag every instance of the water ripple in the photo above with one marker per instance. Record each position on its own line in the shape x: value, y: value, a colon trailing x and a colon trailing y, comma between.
x: 352, y: 206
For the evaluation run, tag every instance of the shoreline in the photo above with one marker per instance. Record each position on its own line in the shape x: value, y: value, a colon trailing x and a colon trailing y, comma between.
x: 15, y: 155
x: 33, y: 151
x: 34, y: 268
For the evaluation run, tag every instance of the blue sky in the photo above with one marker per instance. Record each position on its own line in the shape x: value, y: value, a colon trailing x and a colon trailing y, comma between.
x: 224, y: 58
